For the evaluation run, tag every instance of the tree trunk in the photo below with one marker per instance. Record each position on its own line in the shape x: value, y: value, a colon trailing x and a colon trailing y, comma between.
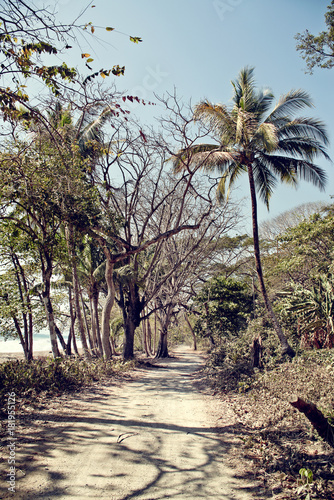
x: 30, y: 338
x: 47, y: 273
x: 93, y: 328
x: 22, y: 340
x: 131, y: 310
x: 51, y: 323
x: 317, y: 419
x: 129, y: 330
x: 76, y: 293
x: 162, y: 351
x: 71, y: 336
x: 286, y: 348
x: 257, y: 353
x: 113, y: 347
x: 60, y: 338
x: 88, y: 333
x: 74, y: 341
x: 108, y: 305
x: 95, y: 319
x: 155, y: 334
x: 69, y: 343
x: 26, y: 316
x: 191, y: 330
x: 149, y: 337
x: 144, y: 336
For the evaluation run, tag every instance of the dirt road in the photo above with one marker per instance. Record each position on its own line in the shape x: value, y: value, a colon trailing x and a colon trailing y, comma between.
x: 153, y: 437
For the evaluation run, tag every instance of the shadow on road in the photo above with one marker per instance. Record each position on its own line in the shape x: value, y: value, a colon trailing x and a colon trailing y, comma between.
x: 152, y: 438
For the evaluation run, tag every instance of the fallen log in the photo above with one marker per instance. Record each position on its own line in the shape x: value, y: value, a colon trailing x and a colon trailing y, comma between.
x: 317, y: 419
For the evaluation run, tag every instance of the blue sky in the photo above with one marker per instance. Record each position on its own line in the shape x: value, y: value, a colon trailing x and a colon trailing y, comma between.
x: 199, y: 46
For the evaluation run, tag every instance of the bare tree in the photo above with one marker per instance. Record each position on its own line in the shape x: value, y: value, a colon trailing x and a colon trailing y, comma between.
x: 153, y: 206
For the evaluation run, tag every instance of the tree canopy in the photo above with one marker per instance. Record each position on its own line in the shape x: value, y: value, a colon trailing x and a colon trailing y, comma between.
x: 318, y: 50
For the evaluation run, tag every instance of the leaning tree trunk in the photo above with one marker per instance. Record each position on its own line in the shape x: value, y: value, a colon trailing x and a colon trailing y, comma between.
x: 60, y: 338
x: 286, y: 348
x: 317, y: 419
x: 21, y: 337
x: 191, y: 330
x: 25, y: 298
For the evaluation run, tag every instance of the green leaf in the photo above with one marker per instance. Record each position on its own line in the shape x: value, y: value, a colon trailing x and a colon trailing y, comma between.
x: 109, y: 29
x: 90, y: 60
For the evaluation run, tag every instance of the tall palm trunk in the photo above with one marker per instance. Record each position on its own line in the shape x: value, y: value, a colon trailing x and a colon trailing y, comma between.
x: 286, y: 348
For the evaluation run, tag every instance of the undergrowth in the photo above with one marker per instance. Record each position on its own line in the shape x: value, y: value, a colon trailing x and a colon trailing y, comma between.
x: 53, y: 376
x: 275, y: 439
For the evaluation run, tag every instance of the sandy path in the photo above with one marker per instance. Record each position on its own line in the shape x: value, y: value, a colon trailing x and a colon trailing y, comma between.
x: 152, y: 438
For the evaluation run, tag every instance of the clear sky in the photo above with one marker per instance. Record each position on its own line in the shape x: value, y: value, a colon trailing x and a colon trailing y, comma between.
x: 199, y: 46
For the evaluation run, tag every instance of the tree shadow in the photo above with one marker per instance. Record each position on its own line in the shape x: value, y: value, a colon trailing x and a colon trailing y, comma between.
x: 125, y: 458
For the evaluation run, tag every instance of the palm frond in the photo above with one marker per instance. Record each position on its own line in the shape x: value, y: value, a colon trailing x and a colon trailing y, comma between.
x: 265, y: 181
x: 290, y: 103
x: 218, y: 118
x: 229, y: 177
x: 206, y: 156
x: 310, y: 172
x: 303, y: 147
x: 264, y: 100
x: 280, y: 166
x: 307, y: 127
x: 88, y: 133
x: 244, y: 87
x: 290, y: 169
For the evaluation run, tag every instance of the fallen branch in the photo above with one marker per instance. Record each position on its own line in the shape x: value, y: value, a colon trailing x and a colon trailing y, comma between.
x: 317, y: 419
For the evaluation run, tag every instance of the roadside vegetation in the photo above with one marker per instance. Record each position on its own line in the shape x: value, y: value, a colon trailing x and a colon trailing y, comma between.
x: 47, y: 378
x: 277, y: 445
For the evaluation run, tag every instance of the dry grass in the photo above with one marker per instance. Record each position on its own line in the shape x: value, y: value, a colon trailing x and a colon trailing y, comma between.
x: 276, y: 440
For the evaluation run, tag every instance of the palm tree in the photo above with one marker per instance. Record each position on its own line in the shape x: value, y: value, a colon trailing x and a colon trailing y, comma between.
x: 267, y: 145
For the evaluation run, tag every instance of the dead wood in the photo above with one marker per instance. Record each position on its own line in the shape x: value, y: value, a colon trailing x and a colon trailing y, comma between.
x: 317, y: 419
x: 256, y: 353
